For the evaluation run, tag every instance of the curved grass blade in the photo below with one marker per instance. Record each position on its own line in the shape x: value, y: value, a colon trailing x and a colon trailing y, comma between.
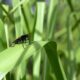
x: 51, y: 51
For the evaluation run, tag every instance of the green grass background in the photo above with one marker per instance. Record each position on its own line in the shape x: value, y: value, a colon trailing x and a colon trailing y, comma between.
x: 54, y: 29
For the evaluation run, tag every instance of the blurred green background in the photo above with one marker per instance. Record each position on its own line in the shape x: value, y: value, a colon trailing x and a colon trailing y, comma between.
x: 53, y: 27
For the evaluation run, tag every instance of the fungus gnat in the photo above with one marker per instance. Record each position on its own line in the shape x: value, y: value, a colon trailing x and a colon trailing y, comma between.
x: 22, y: 39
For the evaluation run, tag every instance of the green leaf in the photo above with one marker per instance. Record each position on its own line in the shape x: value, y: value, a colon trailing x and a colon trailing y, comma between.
x: 78, y: 55
x: 18, y: 19
x: 9, y: 57
x: 51, y: 51
x: 36, y: 65
x: 52, y: 18
x: 39, y: 23
x: 38, y: 37
x: 13, y: 56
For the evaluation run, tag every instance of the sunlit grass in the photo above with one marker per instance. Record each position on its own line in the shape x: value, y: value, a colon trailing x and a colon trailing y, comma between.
x: 53, y: 51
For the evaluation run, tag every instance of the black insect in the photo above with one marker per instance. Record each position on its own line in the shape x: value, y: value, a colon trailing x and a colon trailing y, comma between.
x: 21, y: 39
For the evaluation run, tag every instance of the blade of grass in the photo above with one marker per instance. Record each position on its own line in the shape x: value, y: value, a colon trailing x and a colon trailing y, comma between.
x: 36, y: 65
x: 71, y: 55
x: 6, y: 34
x: 13, y: 56
x: 39, y: 24
x: 18, y: 19
x: 52, y: 16
x: 51, y: 51
x: 37, y: 37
